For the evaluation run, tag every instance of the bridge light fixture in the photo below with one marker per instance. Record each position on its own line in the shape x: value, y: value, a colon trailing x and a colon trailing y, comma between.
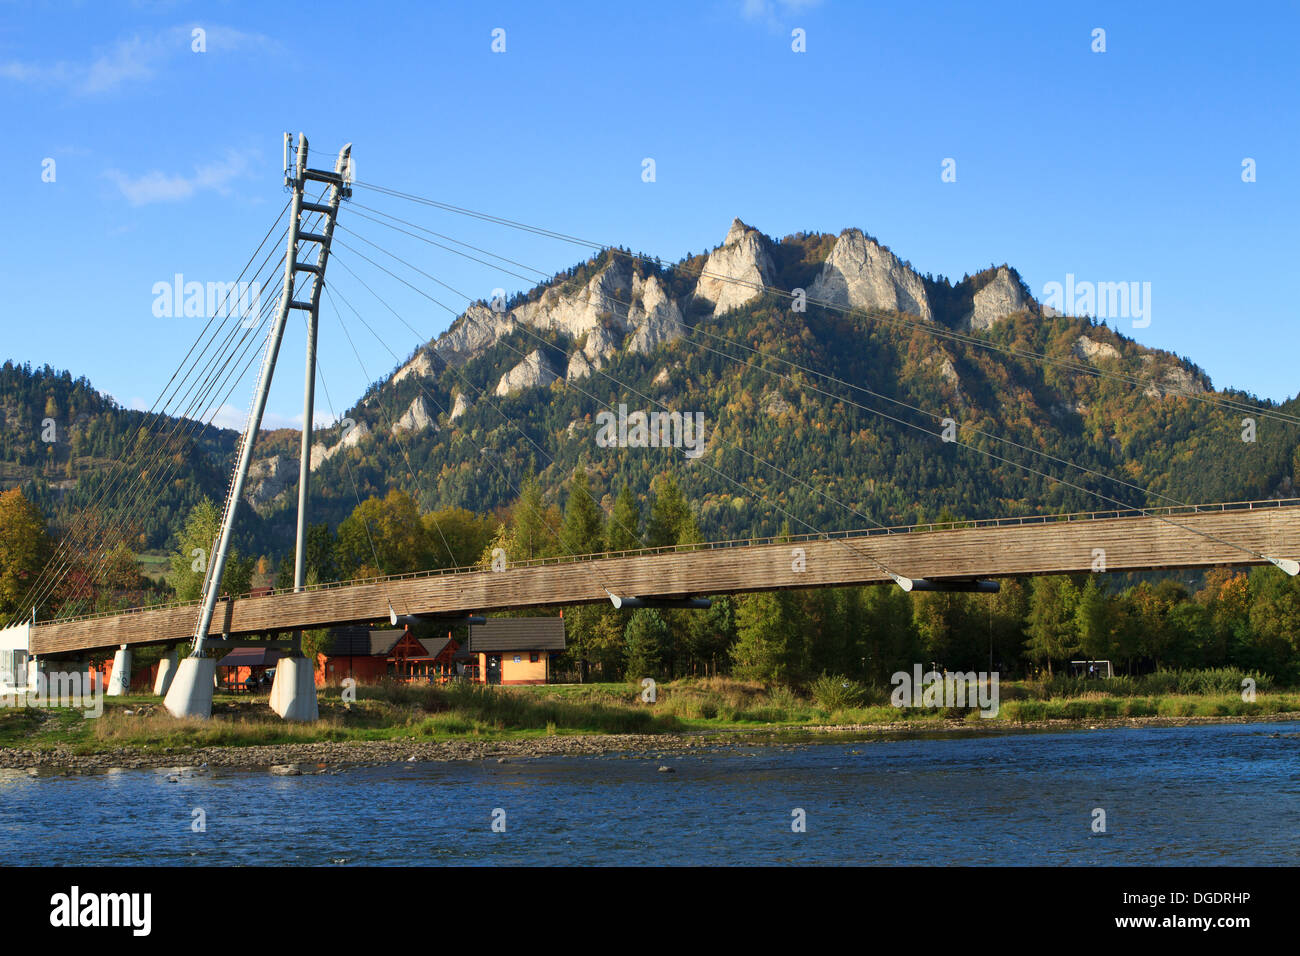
x: 684, y: 603
x: 1286, y: 564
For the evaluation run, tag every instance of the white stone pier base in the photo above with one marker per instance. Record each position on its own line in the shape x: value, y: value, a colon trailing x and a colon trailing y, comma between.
x: 119, y: 681
x: 190, y: 694
x: 166, y: 671
x: 293, y: 692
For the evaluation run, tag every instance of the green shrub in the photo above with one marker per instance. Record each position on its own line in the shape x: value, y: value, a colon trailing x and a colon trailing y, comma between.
x: 834, y: 692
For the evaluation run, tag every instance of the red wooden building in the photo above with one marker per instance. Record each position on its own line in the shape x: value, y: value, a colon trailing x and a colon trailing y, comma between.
x: 369, y: 656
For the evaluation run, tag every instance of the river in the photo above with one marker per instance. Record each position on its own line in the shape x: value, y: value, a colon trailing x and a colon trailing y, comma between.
x: 1209, y: 794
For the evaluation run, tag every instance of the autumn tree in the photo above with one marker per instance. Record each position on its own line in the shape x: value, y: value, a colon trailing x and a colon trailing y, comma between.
x: 198, y: 541
x: 384, y: 536
x: 24, y: 548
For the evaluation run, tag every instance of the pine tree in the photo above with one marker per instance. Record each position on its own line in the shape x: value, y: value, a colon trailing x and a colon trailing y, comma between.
x: 583, y: 530
x: 530, y: 537
x: 624, y: 530
x: 670, y: 516
x: 1050, y: 628
x: 646, y: 636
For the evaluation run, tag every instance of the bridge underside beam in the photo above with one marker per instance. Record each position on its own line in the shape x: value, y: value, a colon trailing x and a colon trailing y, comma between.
x: 1124, y: 544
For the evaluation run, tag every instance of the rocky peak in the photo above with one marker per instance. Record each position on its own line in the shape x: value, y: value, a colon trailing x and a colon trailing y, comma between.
x: 862, y: 274
x: 533, y: 371
x: 421, y: 364
x: 1002, y: 296
x: 416, y: 418
x: 268, y: 478
x: 654, y: 318
x: 320, y: 453
x: 736, y: 271
x: 605, y: 296
x: 477, y: 328
x: 1090, y: 350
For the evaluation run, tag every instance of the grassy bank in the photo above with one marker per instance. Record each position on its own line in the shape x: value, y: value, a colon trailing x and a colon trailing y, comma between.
x: 406, y: 712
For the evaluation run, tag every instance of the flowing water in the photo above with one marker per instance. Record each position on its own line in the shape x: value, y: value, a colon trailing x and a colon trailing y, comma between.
x: 1174, y: 795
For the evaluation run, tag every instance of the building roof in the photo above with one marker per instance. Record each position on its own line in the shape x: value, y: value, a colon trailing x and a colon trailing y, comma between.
x: 362, y: 642
x: 251, y: 657
x: 433, y: 646
x: 517, y: 634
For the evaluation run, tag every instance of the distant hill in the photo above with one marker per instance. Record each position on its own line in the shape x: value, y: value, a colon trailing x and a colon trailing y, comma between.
x: 64, y: 443
x: 449, y: 424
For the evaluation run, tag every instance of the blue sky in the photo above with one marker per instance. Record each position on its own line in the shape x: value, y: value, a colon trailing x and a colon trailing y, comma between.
x: 1117, y: 166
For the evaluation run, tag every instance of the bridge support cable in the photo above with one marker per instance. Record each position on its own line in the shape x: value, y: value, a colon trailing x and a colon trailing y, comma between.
x: 150, y: 488
x: 1285, y: 564
x: 190, y: 424
x: 482, y: 393
x: 902, y: 404
x: 392, y: 428
x: 197, y: 418
x: 191, y: 692
x: 356, y: 490
x: 880, y: 315
x: 578, y: 388
x: 900, y: 579
x: 697, y: 330
x: 142, y: 493
x: 501, y: 473
x: 78, y: 540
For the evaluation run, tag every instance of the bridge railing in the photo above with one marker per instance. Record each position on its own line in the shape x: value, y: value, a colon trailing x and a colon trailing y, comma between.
x: 925, y: 527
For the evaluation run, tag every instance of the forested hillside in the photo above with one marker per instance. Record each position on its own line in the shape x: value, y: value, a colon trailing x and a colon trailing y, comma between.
x: 520, y: 388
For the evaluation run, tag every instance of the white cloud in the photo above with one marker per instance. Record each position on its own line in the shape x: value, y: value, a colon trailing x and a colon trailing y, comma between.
x: 772, y: 12
x: 132, y: 59
x: 156, y: 186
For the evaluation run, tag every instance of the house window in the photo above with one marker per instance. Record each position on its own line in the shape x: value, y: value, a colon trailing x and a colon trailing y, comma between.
x: 534, y: 657
x: 13, y: 668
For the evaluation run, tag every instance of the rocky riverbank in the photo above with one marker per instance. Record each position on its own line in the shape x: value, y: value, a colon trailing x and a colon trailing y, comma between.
x: 318, y: 757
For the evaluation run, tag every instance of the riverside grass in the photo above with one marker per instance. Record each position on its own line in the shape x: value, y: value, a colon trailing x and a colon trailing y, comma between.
x: 395, y: 711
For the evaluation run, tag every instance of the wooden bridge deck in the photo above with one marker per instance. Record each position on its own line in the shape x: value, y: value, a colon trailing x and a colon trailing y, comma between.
x: 995, y: 549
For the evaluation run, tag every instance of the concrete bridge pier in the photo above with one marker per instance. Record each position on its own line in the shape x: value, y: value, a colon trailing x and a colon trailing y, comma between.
x: 166, y: 671
x: 119, y: 681
x: 190, y: 694
x: 293, y: 692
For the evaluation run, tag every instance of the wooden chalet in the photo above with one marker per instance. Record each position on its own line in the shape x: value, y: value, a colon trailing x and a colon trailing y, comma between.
x: 516, y: 650
x: 370, y: 656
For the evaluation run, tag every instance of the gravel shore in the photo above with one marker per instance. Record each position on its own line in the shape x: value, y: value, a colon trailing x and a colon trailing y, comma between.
x: 315, y: 757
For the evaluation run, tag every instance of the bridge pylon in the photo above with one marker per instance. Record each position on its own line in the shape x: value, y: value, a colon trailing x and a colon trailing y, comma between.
x: 293, y: 695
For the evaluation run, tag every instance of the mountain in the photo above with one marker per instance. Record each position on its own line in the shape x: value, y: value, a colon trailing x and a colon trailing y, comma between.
x: 525, y: 384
